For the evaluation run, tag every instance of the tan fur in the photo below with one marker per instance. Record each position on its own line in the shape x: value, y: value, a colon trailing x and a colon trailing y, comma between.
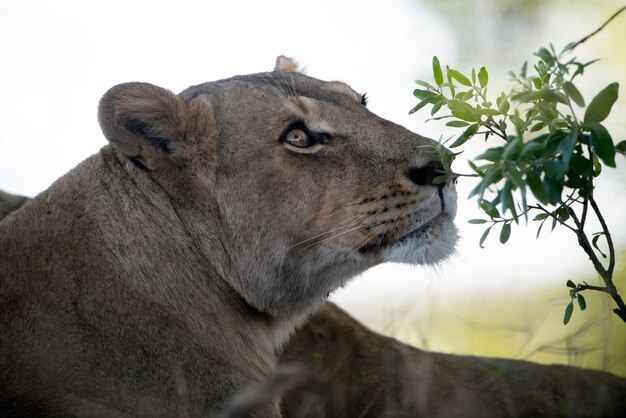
x: 284, y: 63
x: 355, y: 372
x: 158, y: 276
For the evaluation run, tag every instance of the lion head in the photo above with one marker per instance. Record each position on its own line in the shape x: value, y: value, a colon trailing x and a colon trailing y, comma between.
x: 306, y: 187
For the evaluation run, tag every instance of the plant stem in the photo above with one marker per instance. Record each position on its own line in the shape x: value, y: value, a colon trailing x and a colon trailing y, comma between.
x: 605, y: 273
x: 583, y: 40
x: 581, y: 287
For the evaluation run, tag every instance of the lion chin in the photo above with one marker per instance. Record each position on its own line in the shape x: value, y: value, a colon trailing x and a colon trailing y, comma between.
x: 429, y: 244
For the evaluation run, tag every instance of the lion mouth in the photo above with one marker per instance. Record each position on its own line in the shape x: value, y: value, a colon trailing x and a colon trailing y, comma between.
x: 382, y: 242
x: 413, y: 233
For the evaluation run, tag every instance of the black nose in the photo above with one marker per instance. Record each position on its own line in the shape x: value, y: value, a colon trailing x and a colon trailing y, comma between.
x: 424, y: 176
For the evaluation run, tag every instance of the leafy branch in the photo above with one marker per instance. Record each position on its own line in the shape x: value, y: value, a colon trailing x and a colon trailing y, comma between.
x: 548, y: 158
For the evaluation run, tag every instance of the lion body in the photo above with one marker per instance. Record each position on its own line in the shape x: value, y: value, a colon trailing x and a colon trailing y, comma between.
x: 355, y: 372
x: 158, y: 276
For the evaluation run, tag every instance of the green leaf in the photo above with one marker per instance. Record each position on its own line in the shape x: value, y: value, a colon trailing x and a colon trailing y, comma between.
x: 554, y: 187
x: 594, y: 242
x: 540, y: 226
x: 459, y: 77
x: 601, y: 142
x: 491, y: 209
x: 449, y: 78
x: 515, y: 176
x: 568, y: 47
x: 483, y: 77
x: 488, y: 112
x: 522, y: 71
x: 505, y: 233
x: 464, y: 95
x: 580, y: 166
x: 601, y: 105
x: 570, y: 284
x: 421, y: 105
x: 520, y: 125
x: 532, y: 147
x: 425, y: 84
x: 423, y: 94
x: 569, y: 309
x: 537, y: 186
x: 437, y: 74
x: 566, y: 146
x: 457, y: 124
x: 491, y: 154
x: 546, y: 95
x: 490, y: 178
x: 539, y: 126
x: 462, y: 110
x: 559, y: 123
x: 503, y: 103
x: 554, y: 169
x: 506, y: 198
x: 581, y: 302
x: 545, y: 55
x: 573, y: 93
x: 467, y: 134
x: 512, y: 149
x: 477, y: 221
x: 621, y: 147
x: 440, y: 180
x: 483, y: 237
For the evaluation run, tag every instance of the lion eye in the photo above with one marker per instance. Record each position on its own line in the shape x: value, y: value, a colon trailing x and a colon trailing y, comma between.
x: 298, y: 138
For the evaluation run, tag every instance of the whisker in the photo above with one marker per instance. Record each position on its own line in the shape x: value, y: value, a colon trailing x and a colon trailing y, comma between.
x: 338, y: 226
x: 341, y: 209
x: 363, y: 241
x: 347, y: 230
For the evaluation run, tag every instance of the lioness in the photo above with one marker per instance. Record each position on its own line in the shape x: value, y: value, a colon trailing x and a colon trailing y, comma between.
x: 358, y: 373
x: 352, y: 371
x: 158, y: 276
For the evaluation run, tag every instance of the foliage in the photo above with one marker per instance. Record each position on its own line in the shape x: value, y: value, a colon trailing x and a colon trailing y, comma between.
x: 548, y: 158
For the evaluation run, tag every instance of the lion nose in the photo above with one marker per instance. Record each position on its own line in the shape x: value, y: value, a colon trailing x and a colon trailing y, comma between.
x: 424, y: 176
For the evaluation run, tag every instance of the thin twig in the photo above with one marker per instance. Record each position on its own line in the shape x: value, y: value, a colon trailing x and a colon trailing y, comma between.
x: 583, y: 40
x: 547, y: 212
x: 586, y: 286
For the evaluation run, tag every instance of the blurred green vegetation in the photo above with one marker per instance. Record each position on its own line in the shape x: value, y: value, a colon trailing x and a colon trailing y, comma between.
x: 520, y: 325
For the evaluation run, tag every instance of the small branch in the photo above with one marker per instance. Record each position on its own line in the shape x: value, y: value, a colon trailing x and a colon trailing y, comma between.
x: 455, y: 175
x: 583, y: 217
x: 581, y: 287
x: 583, y: 40
x: 490, y: 125
x: 546, y: 211
x: 605, y: 274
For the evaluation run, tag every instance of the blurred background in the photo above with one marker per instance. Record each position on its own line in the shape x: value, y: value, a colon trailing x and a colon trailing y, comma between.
x: 58, y: 58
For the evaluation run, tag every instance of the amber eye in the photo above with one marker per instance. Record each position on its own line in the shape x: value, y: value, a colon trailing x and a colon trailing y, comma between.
x: 298, y: 138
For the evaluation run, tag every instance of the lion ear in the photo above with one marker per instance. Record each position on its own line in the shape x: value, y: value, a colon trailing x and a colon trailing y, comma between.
x: 149, y: 124
x: 288, y: 64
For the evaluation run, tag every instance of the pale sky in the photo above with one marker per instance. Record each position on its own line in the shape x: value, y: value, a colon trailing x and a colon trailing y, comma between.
x: 57, y: 59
